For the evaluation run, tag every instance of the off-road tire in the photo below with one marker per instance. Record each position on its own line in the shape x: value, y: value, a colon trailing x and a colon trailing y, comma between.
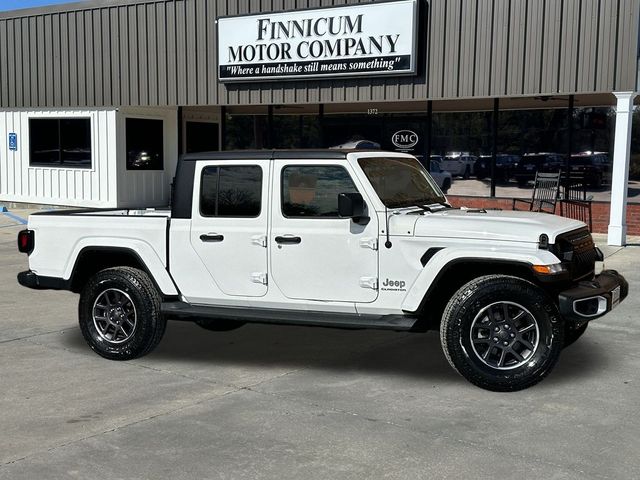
x: 463, y: 312
x: 149, y: 326
x: 219, y: 325
x: 572, y: 334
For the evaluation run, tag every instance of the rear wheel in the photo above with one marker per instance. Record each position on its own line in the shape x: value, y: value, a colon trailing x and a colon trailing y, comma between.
x: 119, y: 313
x: 501, y: 333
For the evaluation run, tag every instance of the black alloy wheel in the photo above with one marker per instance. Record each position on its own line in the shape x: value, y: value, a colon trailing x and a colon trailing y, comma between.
x: 502, y: 333
x: 119, y: 313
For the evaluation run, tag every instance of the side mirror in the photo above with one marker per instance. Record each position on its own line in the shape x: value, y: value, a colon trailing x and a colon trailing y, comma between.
x: 351, y: 205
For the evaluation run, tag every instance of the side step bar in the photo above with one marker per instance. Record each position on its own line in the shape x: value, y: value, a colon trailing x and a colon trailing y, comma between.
x: 186, y: 311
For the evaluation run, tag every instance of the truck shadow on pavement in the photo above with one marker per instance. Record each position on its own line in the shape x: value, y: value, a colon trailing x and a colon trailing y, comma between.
x: 417, y: 355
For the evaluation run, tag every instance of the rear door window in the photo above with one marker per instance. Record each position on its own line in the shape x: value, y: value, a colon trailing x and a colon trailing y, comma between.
x: 231, y: 191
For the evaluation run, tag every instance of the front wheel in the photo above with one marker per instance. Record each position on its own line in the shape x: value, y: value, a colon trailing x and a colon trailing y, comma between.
x: 501, y: 333
x: 119, y: 313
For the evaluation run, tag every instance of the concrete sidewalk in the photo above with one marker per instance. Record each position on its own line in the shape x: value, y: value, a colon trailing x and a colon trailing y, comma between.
x: 295, y: 402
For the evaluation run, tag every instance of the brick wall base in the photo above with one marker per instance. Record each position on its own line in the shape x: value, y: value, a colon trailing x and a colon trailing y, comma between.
x: 599, y: 211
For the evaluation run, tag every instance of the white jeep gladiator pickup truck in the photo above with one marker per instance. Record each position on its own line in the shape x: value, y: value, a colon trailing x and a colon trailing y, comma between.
x: 346, y: 239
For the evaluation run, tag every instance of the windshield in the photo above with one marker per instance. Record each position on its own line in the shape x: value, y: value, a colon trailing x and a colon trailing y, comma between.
x: 401, y: 182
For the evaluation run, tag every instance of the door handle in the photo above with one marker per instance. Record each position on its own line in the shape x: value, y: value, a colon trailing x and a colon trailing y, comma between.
x: 212, y: 237
x: 291, y: 240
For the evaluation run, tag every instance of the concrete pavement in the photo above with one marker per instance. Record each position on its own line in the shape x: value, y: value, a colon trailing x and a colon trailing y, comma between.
x: 295, y: 402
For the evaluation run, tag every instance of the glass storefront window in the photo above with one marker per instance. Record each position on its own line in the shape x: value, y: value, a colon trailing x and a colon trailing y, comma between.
x: 349, y: 128
x: 592, y: 152
x: 201, y: 136
x: 537, y: 140
x: 533, y: 135
x: 529, y: 141
x: 461, y: 146
x: 246, y: 128
x: 246, y: 132
x: 296, y: 131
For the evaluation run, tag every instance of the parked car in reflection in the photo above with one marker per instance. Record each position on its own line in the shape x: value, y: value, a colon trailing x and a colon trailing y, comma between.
x: 505, y: 166
x: 593, y: 167
x: 358, y: 145
x: 143, y: 160
x: 531, y: 163
x: 442, y: 177
x: 458, y: 164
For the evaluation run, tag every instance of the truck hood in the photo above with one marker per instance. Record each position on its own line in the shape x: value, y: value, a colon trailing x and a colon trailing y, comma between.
x: 499, y: 225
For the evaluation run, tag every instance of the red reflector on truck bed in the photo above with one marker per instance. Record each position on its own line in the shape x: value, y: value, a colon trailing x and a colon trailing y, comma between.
x: 26, y: 241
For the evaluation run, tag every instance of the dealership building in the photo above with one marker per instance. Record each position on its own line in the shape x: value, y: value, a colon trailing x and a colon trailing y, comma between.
x: 99, y: 98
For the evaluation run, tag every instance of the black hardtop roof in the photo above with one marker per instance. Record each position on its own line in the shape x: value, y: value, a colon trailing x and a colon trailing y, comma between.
x: 319, y: 154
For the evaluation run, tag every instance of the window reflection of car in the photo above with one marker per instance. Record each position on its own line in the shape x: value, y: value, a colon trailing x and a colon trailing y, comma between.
x: 531, y: 163
x: 458, y: 164
x: 142, y: 159
x: 76, y: 156
x: 358, y: 145
x: 70, y: 157
x: 505, y: 166
x: 442, y: 177
x: 593, y: 167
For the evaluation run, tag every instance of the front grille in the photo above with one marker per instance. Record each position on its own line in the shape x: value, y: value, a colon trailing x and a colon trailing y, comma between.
x: 578, y: 252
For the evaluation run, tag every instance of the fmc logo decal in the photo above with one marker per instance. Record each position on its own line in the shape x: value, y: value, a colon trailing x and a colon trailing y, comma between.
x: 405, y: 139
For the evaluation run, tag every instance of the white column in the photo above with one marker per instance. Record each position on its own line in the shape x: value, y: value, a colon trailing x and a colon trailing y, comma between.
x: 620, y: 169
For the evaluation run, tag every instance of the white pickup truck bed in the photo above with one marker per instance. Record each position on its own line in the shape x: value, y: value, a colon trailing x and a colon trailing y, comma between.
x: 61, y: 236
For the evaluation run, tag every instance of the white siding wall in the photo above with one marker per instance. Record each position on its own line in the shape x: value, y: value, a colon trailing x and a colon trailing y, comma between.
x: 147, y: 188
x: 94, y: 187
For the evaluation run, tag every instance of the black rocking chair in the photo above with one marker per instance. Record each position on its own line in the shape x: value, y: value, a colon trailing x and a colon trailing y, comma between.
x: 546, y: 189
x: 575, y: 203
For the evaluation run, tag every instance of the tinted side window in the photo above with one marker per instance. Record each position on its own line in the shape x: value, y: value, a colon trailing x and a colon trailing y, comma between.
x: 144, y: 143
x: 312, y: 191
x: 60, y: 142
x: 234, y: 191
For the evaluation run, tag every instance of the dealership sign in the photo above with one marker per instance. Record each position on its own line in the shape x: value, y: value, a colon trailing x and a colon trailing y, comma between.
x: 369, y: 39
x: 405, y: 139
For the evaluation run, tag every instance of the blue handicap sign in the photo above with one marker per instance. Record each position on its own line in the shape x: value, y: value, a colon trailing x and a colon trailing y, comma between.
x: 13, y: 141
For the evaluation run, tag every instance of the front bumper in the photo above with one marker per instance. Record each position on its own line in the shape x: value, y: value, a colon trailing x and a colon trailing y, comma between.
x: 593, y: 298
